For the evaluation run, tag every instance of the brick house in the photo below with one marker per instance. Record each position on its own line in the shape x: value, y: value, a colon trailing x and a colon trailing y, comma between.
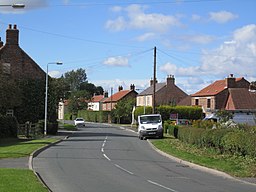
x: 109, y: 103
x: 16, y: 64
x: 232, y: 94
x: 166, y: 94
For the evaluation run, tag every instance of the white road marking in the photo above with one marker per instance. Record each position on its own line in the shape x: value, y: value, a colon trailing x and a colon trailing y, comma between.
x: 106, y: 157
x: 131, y: 173
x: 157, y: 184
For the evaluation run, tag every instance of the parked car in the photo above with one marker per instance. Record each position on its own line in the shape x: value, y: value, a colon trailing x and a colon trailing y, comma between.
x: 79, y: 121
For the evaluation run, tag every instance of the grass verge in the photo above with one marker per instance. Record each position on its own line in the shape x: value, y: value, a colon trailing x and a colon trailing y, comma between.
x: 14, y: 148
x: 68, y: 127
x: 21, y: 180
x: 234, y: 165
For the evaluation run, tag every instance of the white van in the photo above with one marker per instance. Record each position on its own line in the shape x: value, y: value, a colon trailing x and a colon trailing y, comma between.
x: 150, y: 126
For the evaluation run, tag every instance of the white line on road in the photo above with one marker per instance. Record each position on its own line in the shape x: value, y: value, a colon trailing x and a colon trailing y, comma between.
x: 118, y: 166
x: 106, y: 157
x: 157, y: 184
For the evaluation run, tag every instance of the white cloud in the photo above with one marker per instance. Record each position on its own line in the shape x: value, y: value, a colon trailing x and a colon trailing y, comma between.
x: 146, y: 36
x: 135, y: 18
x: 196, y: 17
x: 236, y: 56
x: 200, y: 39
x: 119, y: 61
x: 55, y: 74
x: 222, y: 16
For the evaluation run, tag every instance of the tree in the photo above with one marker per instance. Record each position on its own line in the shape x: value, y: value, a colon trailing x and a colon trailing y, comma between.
x: 75, y: 78
x: 91, y: 89
x: 123, y: 110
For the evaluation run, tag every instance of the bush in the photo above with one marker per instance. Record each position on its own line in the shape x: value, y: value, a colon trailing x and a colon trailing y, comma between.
x: 170, y: 128
x: 8, y: 127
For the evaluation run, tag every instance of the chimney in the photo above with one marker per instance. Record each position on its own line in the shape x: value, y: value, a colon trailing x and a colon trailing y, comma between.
x: 170, y: 80
x: 132, y: 87
x: 106, y: 94
x: 231, y: 81
x: 12, y: 35
x: 152, y: 82
x: 120, y: 88
x: 1, y: 43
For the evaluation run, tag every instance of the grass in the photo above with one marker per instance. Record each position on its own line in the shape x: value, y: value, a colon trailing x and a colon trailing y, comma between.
x: 22, y: 180
x: 237, y: 166
x: 14, y: 148
x: 68, y: 127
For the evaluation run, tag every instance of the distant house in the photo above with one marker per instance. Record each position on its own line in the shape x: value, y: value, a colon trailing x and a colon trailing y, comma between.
x: 95, y: 103
x: 109, y: 103
x: 232, y: 94
x: 165, y: 94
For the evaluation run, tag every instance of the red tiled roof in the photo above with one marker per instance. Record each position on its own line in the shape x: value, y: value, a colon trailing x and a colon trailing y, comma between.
x: 214, y: 88
x: 241, y: 99
x: 97, y: 98
x: 117, y: 96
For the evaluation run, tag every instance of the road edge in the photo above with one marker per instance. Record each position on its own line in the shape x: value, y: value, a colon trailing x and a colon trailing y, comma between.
x: 199, y: 167
x: 37, y: 152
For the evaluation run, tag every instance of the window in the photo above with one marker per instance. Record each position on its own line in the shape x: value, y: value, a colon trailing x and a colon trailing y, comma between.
x: 7, y: 68
x: 196, y: 101
x: 9, y: 112
x: 208, y: 103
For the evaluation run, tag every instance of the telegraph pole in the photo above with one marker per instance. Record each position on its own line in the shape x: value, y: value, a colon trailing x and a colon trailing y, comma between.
x: 154, y: 83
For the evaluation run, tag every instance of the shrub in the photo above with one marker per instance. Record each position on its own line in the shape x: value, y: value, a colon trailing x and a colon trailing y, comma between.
x: 8, y: 126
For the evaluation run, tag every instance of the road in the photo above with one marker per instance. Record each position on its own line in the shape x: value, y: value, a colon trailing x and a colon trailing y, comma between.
x: 101, y: 158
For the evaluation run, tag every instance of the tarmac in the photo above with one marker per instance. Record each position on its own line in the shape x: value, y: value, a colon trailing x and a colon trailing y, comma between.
x: 26, y: 162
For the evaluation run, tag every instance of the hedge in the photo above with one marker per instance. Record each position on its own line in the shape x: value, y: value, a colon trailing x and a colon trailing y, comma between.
x: 231, y: 141
x: 94, y: 116
x: 184, y: 112
x: 8, y: 126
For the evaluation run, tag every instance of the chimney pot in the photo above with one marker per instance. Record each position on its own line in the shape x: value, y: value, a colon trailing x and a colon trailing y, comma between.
x: 14, y: 26
x: 10, y: 26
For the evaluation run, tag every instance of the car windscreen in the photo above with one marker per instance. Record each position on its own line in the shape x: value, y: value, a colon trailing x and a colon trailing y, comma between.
x: 150, y: 119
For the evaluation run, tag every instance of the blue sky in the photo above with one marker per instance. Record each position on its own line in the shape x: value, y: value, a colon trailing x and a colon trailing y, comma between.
x: 197, y: 41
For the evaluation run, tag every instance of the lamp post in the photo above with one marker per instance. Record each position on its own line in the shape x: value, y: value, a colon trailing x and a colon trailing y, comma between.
x: 15, y: 5
x: 46, y: 95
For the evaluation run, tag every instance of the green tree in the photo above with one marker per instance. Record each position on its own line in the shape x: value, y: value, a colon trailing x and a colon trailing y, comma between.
x: 123, y: 110
x: 75, y: 78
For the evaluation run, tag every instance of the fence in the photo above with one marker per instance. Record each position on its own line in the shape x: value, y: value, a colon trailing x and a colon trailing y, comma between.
x: 29, y: 130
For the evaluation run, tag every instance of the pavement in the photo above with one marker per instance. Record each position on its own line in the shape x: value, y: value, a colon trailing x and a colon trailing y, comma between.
x: 26, y: 162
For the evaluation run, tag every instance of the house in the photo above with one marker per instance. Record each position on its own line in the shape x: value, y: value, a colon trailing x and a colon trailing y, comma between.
x: 95, y: 103
x: 166, y: 93
x: 109, y: 103
x: 16, y: 64
x: 231, y: 94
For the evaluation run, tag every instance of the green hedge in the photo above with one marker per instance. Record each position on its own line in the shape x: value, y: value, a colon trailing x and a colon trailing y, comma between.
x: 8, y: 127
x: 94, y: 116
x: 232, y: 141
x: 184, y: 112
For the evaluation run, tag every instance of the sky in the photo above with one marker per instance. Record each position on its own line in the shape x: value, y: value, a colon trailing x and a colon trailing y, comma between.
x: 197, y: 41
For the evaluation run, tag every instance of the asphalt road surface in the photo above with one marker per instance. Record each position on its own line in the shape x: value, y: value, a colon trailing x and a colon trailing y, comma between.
x: 101, y: 158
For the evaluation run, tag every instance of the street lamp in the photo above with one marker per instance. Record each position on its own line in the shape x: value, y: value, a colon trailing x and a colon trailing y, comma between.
x: 46, y: 95
x: 15, y: 6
